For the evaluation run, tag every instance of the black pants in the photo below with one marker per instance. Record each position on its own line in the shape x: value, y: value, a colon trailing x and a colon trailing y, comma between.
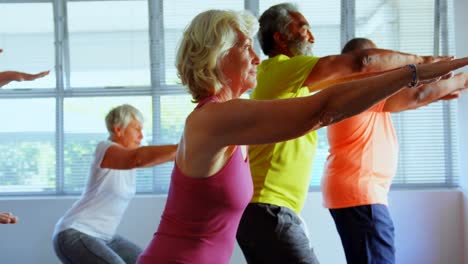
x: 273, y: 234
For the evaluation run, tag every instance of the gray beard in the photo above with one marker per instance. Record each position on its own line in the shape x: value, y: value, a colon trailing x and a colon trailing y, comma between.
x: 300, y: 48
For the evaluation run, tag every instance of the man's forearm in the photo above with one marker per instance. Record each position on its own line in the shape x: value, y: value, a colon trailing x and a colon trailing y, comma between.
x: 348, y: 78
x: 381, y: 59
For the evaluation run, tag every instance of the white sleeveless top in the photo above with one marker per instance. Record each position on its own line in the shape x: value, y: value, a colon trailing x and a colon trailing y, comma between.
x: 104, y: 200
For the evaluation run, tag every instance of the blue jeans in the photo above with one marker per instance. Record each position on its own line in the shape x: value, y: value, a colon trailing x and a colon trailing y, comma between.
x: 73, y: 246
x: 367, y: 234
x: 273, y: 234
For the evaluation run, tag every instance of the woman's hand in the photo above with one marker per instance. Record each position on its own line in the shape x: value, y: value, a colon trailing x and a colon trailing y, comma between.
x: 8, y: 218
x: 22, y: 76
x: 440, y: 68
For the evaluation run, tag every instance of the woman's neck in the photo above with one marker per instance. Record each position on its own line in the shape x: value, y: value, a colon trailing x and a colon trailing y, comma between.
x: 226, y: 94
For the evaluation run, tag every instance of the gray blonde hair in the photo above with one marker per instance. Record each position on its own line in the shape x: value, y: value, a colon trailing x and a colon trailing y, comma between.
x: 121, y: 116
x: 275, y: 19
x: 205, y: 42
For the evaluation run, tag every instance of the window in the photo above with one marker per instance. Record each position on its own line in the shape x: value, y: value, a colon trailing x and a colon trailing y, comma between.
x: 427, y: 136
x: 177, y: 15
x: 109, y: 47
x: 27, y: 47
x: 27, y: 145
x: 101, y: 57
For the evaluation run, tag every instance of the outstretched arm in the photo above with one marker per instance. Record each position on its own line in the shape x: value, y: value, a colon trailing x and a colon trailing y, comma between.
x: 317, y: 86
x: 8, y: 218
x: 427, y: 93
x: 121, y: 158
x: 248, y: 122
x: 9, y: 76
x: 363, y: 61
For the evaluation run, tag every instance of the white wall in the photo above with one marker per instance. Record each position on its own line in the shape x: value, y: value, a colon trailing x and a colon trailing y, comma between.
x: 461, y: 42
x: 427, y: 227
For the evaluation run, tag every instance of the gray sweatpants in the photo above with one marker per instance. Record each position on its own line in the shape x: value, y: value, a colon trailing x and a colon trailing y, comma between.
x: 73, y: 246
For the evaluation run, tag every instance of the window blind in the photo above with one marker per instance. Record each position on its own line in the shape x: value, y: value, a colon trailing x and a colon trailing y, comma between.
x: 427, y: 136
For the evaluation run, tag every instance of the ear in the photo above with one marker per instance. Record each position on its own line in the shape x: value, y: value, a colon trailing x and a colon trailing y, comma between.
x: 117, y: 131
x: 281, y: 40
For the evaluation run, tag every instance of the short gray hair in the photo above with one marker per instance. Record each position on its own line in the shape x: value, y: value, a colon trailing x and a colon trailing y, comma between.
x: 121, y: 116
x: 275, y: 19
x: 205, y: 42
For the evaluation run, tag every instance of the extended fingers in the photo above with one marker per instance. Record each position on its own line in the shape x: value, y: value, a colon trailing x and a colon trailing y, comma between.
x: 44, y: 73
x: 7, y: 218
x: 41, y: 74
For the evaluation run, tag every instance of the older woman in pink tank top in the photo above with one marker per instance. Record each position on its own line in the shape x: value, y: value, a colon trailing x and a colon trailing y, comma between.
x: 210, y: 183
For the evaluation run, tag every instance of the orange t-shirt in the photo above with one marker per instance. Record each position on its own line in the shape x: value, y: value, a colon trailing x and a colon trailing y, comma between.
x: 362, y: 160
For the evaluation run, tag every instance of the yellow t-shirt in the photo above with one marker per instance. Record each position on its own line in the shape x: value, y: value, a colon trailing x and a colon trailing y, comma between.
x: 281, y: 172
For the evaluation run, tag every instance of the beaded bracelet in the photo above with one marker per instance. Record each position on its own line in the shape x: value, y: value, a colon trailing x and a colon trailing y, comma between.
x: 415, y: 80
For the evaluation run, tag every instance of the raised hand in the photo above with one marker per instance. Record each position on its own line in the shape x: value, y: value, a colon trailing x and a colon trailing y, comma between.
x: 461, y: 80
x: 9, y: 76
x: 440, y: 68
x: 21, y: 76
x: 8, y: 218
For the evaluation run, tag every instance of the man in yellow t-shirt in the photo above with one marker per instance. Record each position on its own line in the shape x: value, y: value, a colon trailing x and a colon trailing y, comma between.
x: 270, y: 230
x: 361, y: 165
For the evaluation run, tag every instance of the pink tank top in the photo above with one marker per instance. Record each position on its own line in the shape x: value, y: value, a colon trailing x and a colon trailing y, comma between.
x: 200, y: 220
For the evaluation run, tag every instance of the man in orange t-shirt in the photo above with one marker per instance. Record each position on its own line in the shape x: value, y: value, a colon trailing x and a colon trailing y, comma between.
x: 361, y: 165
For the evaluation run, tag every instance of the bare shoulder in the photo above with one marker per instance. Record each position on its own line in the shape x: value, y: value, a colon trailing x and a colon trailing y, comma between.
x: 199, y: 117
x: 199, y: 124
x: 211, y: 114
x: 200, y: 145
